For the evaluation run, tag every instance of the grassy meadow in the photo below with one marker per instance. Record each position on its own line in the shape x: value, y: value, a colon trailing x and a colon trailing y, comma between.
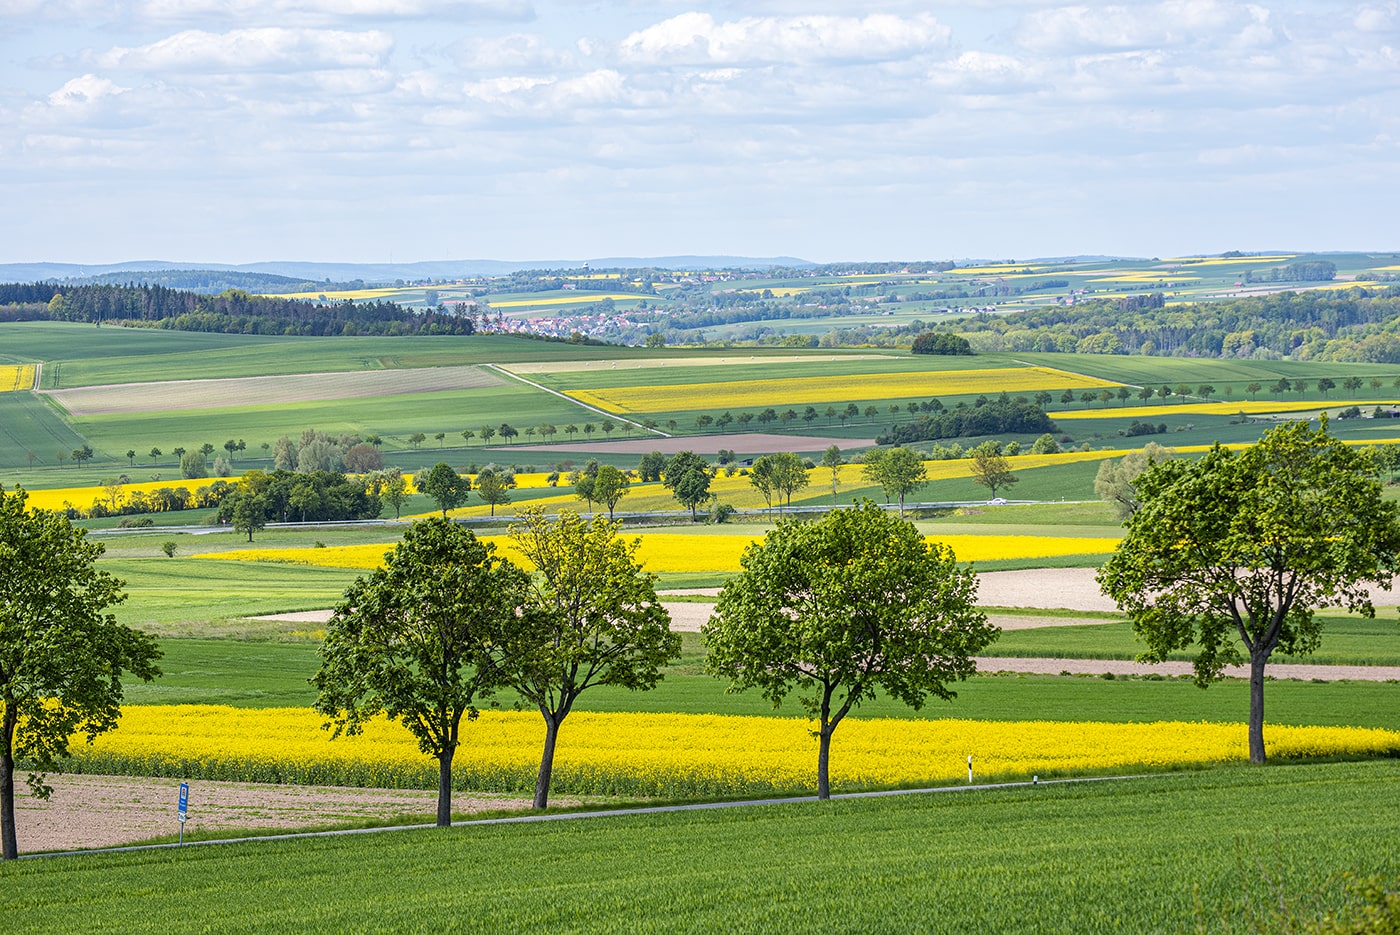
x: 1203, y: 851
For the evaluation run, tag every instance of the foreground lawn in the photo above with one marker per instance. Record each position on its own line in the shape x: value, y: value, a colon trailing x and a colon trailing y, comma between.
x: 1189, y: 851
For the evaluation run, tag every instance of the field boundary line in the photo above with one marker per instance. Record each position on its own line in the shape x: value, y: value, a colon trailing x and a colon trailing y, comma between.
x: 602, y: 412
x: 607, y: 813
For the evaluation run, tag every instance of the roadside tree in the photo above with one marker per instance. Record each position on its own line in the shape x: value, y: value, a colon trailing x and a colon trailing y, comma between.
x: 1116, y: 481
x: 990, y: 468
x: 838, y: 609
x: 899, y: 471
x: 446, y: 487
x: 493, y: 487
x: 1239, y: 549
x: 687, y: 476
x: 62, y: 654
x: 610, y: 486
x: 592, y: 618
x: 410, y: 640
x: 832, y: 459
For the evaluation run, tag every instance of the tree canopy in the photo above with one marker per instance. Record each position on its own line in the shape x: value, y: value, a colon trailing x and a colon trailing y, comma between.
x: 779, y: 475
x: 1231, y: 554
x: 687, y: 476
x: 410, y: 640
x: 990, y: 468
x: 62, y: 655
x: 446, y: 487
x: 899, y: 471
x: 592, y: 618
x: 1116, y: 481
x: 842, y: 607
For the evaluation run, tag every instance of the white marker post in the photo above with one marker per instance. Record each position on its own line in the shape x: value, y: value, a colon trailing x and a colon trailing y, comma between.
x: 184, y: 807
x: 969, y: 770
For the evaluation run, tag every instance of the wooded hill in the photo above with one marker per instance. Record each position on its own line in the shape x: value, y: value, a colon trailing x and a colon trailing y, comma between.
x: 232, y: 311
x: 1361, y: 324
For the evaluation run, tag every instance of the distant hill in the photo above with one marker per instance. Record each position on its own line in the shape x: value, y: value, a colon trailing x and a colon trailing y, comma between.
x: 323, y: 274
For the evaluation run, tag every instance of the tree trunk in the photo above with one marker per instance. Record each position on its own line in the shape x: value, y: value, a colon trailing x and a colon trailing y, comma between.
x: 444, y: 811
x: 1256, y: 706
x: 823, y: 757
x: 551, y: 734
x: 7, y: 801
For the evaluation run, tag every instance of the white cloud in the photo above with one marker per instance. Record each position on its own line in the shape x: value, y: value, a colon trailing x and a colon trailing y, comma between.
x: 696, y: 38
x: 515, y: 52
x: 247, y: 50
x: 83, y: 91
x: 1175, y: 23
x: 262, y: 11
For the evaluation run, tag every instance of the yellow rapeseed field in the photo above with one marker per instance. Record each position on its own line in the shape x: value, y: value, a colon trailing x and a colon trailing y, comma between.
x: 573, y: 298
x: 752, y: 394
x: 1224, y: 407
x: 59, y: 498
x: 673, y: 754
x: 686, y: 552
x: 16, y: 377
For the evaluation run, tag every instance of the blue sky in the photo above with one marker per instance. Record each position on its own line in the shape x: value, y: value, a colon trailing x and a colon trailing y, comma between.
x: 368, y: 130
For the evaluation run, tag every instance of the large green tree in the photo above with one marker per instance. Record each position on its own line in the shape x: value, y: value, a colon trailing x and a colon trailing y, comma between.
x: 990, y: 467
x: 446, y: 487
x: 899, y: 471
x: 1231, y: 554
x: 841, y: 608
x: 610, y: 486
x: 493, y: 487
x: 1116, y: 481
x: 410, y: 640
x: 62, y: 655
x: 687, y: 476
x: 592, y: 618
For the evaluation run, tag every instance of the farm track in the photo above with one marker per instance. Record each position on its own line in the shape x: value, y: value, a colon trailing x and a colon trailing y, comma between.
x: 164, y: 396
x: 59, y: 841
x: 564, y: 396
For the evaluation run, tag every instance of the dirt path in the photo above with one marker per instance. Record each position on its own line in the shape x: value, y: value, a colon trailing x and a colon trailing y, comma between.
x: 104, y: 811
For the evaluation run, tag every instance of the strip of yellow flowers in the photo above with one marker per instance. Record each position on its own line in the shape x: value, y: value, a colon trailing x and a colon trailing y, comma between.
x: 682, y: 552
x: 672, y: 754
x: 16, y: 377
x: 738, y: 394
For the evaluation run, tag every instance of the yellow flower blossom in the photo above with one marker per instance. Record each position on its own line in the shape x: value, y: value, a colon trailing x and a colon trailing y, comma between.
x: 675, y: 754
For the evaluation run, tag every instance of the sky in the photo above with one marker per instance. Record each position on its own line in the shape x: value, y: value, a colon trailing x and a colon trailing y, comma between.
x: 237, y: 131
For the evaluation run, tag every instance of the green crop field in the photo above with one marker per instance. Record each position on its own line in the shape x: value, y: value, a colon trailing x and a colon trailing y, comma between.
x: 260, y: 674
x: 1191, y: 851
x: 1352, y: 641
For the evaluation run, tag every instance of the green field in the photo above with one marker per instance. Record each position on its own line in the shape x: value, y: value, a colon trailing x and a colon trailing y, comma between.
x: 1351, y: 641
x: 272, y: 674
x: 1185, y: 852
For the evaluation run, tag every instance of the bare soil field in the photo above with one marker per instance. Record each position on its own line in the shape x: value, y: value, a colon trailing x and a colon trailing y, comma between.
x: 744, y: 445
x: 107, y: 811
x: 252, y: 391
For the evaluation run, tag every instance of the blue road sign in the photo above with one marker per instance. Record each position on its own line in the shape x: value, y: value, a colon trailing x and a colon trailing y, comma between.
x: 184, y: 799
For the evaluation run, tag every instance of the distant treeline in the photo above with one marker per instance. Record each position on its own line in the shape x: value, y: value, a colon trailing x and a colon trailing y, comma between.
x: 1359, y: 324
x: 985, y: 417
x: 231, y: 312
x: 211, y: 281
